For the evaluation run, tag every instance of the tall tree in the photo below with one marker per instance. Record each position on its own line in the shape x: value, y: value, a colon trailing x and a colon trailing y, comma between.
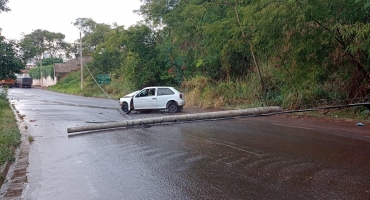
x: 43, y: 41
x: 143, y: 67
x: 10, y: 61
x: 3, y: 6
x: 204, y: 34
x: 93, y: 33
x: 310, y: 42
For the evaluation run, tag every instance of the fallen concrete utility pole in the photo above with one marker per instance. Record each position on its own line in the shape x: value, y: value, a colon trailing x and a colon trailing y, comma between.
x: 176, y: 118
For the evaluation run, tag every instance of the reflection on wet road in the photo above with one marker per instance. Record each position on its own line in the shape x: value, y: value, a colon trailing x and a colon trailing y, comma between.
x: 247, y: 158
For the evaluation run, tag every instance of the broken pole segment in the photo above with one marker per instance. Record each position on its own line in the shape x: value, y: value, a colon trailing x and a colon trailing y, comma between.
x: 176, y: 118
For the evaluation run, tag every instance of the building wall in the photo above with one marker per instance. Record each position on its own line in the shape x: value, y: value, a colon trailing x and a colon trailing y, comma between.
x: 45, y: 81
x: 69, y: 66
x: 61, y: 69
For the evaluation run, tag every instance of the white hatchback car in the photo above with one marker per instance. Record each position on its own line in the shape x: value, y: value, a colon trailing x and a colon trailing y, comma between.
x: 153, y: 98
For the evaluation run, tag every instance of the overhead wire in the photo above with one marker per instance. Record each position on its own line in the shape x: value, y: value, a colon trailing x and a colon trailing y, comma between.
x: 114, y: 103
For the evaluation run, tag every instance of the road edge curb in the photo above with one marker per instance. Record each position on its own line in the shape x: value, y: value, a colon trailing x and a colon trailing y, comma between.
x: 20, y: 165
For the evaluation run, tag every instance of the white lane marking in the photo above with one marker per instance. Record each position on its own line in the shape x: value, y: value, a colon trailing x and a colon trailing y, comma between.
x: 294, y: 126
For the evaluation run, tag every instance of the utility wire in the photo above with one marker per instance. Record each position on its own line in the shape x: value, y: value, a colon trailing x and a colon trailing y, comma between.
x: 120, y: 111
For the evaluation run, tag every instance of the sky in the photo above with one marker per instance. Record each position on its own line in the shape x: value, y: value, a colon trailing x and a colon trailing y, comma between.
x: 59, y: 15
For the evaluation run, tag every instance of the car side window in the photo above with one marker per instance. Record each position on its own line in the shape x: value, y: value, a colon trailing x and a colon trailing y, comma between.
x: 151, y: 92
x: 146, y: 92
x: 143, y: 93
x: 165, y: 91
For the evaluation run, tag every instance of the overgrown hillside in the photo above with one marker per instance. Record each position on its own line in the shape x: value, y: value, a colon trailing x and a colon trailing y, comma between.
x: 290, y: 53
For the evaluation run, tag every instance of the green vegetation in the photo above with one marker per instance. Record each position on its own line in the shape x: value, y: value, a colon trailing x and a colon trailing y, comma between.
x: 10, y: 59
x: 71, y: 84
x: 46, y: 71
x: 3, y: 6
x: 236, y: 53
x: 10, y: 62
x: 9, y: 133
x: 31, y: 139
x: 42, y: 41
x: 49, y: 61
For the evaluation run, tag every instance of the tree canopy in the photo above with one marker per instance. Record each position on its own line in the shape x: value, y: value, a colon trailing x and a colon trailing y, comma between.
x: 93, y: 33
x: 50, y: 61
x: 43, y: 41
x: 3, y: 6
x: 309, y: 42
x: 293, y: 47
x: 288, y: 52
x: 10, y: 61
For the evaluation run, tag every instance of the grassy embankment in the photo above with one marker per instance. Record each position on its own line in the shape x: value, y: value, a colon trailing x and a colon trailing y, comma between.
x: 9, y: 133
x: 206, y: 93
x: 71, y: 84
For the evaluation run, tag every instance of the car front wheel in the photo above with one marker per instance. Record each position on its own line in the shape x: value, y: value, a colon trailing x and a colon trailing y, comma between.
x: 125, y: 109
x: 172, y: 107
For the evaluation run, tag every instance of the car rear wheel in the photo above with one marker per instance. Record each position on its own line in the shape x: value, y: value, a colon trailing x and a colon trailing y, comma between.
x: 125, y: 109
x: 172, y: 107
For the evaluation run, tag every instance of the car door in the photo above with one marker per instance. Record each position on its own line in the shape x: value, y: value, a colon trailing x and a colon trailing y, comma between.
x: 163, y: 96
x: 146, y: 99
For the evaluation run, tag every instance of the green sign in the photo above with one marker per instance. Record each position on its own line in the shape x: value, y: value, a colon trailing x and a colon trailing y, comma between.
x: 103, y: 78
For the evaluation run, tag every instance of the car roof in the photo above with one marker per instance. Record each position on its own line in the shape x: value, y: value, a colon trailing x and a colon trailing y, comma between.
x: 158, y: 87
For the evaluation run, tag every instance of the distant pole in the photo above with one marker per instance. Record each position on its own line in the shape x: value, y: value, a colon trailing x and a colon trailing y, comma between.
x: 42, y: 82
x: 82, y: 69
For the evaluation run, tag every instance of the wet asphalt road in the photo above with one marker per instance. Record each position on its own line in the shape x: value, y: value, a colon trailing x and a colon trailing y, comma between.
x: 247, y: 158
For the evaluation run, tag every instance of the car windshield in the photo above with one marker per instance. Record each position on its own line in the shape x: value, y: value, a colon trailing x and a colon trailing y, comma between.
x: 131, y: 94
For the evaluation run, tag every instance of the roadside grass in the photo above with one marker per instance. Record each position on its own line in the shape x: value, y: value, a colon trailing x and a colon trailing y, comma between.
x: 71, y: 84
x: 9, y: 133
x: 31, y: 139
x: 359, y: 114
x: 206, y: 93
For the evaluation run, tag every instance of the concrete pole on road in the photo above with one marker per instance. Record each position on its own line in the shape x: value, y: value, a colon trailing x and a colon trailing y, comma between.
x: 176, y: 118
x: 82, y: 68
